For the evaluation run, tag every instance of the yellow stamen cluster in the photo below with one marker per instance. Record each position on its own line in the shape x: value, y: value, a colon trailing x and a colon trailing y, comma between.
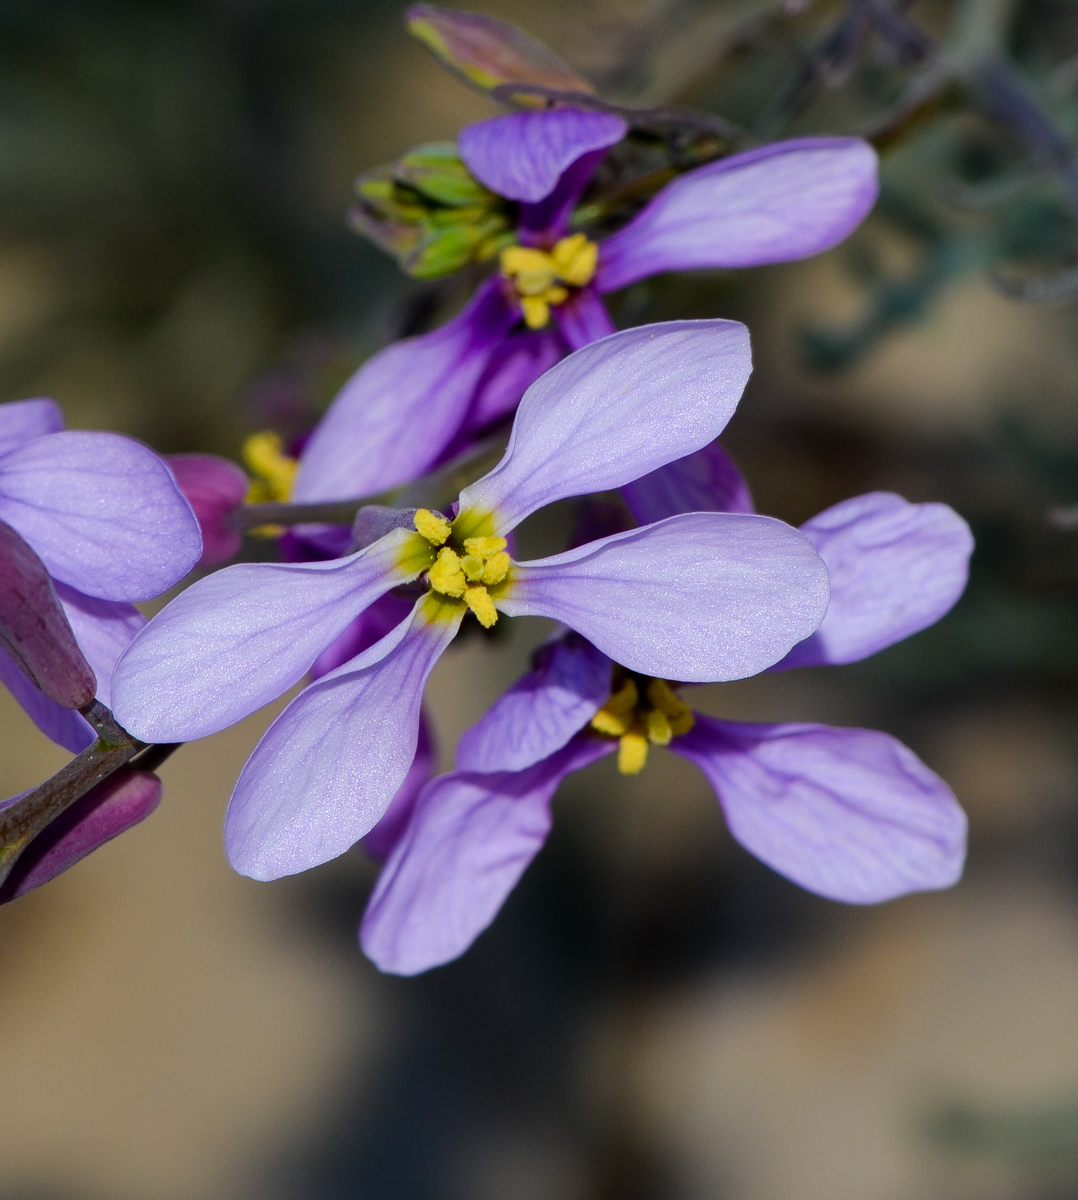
x: 466, y: 576
x: 639, y: 724
x: 542, y: 280
x: 273, y: 472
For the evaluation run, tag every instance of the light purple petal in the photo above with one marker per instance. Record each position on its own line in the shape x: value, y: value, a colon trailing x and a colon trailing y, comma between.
x: 372, y: 624
x: 541, y: 711
x: 103, y: 629
x: 778, y: 203
x: 707, y: 481
x: 400, y: 411
x: 702, y: 597
x: 23, y: 420
x: 514, y: 366
x: 471, y: 838
x: 240, y: 638
x: 543, y: 223
x: 851, y: 814
x: 523, y: 155
x: 111, y: 808
x: 895, y: 568
x: 387, y: 833
x: 583, y: 319
x: 103, y: 512
x: 325, y: 771
x: 64, y: 725
x: 214, y: 488
x: 614, y: 411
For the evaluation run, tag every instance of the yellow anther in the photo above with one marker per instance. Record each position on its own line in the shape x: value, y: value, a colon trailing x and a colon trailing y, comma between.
x: 532, y: 271
x: 446, y: 576
x: 575, y: 259
x: 632, y: 752
x: 616, y: 715
x: 661, y: 696
x: 479, y: 601
x: 496, y: 568
x: 484, y: 547
x: 536, y: 312
x: 658, y: 726
x: 539, y: 278
x: 274, y: 471
x: 433, y: 526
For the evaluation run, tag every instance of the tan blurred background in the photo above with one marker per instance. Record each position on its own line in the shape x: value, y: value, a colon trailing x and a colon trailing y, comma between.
x: 654, y: 1015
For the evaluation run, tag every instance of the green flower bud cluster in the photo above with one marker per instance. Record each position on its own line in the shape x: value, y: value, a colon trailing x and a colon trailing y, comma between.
x: 428, y: 211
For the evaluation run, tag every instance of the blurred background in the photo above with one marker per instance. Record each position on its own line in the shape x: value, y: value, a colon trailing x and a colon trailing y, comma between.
x: 654, y: 1015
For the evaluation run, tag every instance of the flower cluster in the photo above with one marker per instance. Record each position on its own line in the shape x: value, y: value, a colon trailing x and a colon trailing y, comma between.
x: 380, y: 564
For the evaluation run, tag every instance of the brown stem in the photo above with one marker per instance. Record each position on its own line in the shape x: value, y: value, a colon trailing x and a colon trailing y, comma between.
x: 22, y: 820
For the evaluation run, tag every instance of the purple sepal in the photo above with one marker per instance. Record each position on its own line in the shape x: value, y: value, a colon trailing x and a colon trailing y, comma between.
x: 22, y: 420
x: 850, y: 814
x: 895, y: 569
x: 65, y: 726
x: 34, y: 629
x: 707, y: 481
x: 781, y: 202
x: 541, y: 711
x: 522, y: 156
x: 583, y: 319
x: 402, y: 409
x: 469, y: 841
x: 111, y: 808
x: 384, y: 836
x: 214, y: 488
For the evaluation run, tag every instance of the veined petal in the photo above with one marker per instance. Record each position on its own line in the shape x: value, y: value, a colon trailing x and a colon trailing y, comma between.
x: 707, y: 481
x: 398, y: 413
x: 326, y: 770
x: 583, y: 319
x: 215, y: 488
x: 22, y: 420
x: 541, y: 711
x: 103, y: 512
x: 469, y: 841
x: 614, y: 411
x: 895, y: 569
x: 387, y: 833
x: 523, y: 155
x: 103, y: 629
x: 778, y: 203
x: 111, y: 808
x: 702, y: 597
x: 64, y: 725
x: 514, y: 366
x: 851, y: 814
x: 241, y: 637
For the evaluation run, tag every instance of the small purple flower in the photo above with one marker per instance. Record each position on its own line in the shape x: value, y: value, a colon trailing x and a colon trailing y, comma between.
x: 106, y: 518
x: 851, y: 814
x: 781, y: 202
x: 702, y: 596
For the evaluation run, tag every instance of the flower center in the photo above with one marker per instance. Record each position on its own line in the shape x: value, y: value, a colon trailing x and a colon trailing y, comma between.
x: 272, y: 474
x: 641, y: 722
x: 542, y: 280
x: 464, y: 576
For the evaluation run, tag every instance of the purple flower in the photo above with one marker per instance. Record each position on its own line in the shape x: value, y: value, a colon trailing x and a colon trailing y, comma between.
x: 851, y: 814
x: 701, y: 596
x: 780, y: 202
x: 106, y: 518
